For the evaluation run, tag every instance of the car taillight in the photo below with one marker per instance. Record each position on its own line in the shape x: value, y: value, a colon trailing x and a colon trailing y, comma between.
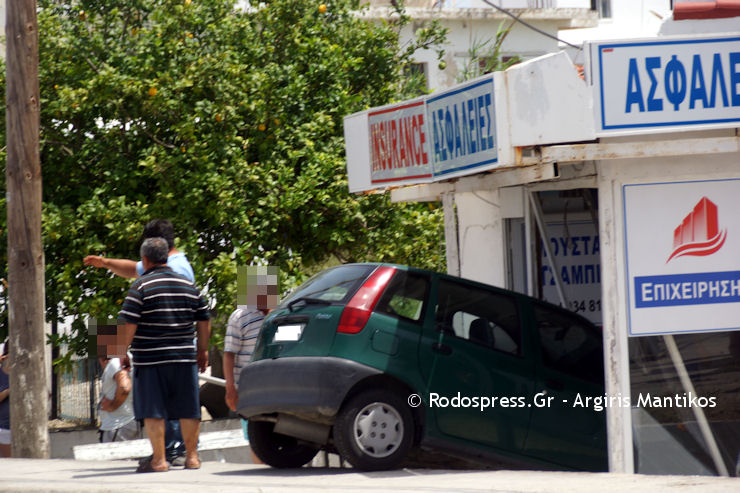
x: 358, y: 310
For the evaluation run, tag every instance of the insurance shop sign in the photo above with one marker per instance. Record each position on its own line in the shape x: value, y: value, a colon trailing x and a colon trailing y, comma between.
x: 399, y: 149
x: 666, y: 83
x: 463, y: 128
x: 683, y: 268
x: 436, y: 137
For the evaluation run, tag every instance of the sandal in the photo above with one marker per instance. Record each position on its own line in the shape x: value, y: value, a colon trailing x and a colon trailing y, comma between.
x: 146, y: 466
x: 192, y: 465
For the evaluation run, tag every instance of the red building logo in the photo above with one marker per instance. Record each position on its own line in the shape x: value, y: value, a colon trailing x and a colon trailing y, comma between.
x: 699, y: 233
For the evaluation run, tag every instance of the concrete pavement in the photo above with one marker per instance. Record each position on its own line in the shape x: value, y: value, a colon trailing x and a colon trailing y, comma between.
x: 63, y: 475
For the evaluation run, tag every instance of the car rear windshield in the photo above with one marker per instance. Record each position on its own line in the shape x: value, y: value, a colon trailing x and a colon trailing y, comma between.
x: 335, y: 285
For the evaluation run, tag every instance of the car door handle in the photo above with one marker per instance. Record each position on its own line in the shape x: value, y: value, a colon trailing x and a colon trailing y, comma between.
x: 441, y: 348
x: 554, y: 384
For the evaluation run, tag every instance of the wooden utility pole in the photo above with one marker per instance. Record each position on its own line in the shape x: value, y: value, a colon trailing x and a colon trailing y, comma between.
x: 28, y: 394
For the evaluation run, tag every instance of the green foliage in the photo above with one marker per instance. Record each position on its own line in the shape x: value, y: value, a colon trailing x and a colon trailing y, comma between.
x: 226, y: 121
x: 485, y: 56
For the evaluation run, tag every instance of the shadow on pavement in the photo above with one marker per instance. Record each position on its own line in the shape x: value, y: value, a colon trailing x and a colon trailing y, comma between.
x: 333, y: 471
x: 108, y: 472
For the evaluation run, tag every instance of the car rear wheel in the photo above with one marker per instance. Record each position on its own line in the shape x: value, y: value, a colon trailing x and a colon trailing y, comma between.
x: 374, y: 430
x: 278, y: 450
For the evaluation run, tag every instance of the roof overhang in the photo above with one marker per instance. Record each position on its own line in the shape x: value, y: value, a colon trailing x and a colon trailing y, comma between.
x: 541, y: 112
x: 718, y: 9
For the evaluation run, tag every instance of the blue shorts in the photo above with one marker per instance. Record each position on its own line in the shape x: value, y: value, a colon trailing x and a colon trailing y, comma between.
x: 168, y: 391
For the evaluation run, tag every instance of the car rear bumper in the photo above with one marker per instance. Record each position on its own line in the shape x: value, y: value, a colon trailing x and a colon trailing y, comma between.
x: 309, y: 387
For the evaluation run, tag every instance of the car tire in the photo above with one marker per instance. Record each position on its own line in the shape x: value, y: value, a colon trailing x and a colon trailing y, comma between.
x: 276, y: 450
x: 374, y: 430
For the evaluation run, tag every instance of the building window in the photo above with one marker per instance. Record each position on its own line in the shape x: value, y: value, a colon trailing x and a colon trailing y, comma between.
x: 485, y: 65
x: 603, y: 7
x: 488, y: 64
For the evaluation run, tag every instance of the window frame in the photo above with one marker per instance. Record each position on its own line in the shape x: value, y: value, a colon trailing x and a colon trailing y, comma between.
x: 447, y: 326
x: 425, y: 301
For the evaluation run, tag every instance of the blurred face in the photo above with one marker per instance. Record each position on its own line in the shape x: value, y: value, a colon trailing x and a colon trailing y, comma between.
x: 111, y: 345
x: 258, y: 286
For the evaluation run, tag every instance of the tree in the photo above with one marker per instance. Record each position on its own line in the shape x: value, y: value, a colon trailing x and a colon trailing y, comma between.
x: 484, y: 56
x: 228, y: 121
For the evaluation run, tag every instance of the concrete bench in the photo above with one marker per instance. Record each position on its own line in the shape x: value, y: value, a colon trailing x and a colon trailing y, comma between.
x: 133, y: 449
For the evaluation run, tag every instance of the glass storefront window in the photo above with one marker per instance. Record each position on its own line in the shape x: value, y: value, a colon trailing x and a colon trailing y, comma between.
x: 666, y: 416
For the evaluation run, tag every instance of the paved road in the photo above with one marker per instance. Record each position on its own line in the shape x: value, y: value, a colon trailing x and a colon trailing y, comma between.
x: 57, y: 475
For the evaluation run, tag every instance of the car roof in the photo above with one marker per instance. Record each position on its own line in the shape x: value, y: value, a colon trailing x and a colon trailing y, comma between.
x: 472, y: 282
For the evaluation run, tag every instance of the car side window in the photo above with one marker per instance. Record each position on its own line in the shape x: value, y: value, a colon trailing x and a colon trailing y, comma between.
x: 405, y: 297
x: 479, y: 315
x: 569, y: 345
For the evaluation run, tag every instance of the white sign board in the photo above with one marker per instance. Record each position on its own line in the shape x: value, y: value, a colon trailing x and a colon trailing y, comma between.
x: 462, y: 124
x: 575, y: 246
x: 399, y: 150
x: 683, y: 267
x: 666, y: 83
x: 432, y: 138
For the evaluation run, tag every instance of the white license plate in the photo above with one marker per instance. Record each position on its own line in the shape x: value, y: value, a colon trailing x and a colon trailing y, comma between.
x: 286, y: 333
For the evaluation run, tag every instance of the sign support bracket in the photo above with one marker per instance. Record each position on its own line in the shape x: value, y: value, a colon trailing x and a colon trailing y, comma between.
x: 539, y: 217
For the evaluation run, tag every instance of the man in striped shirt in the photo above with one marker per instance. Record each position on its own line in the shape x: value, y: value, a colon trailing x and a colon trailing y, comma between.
x: 163, y: 228
x: 261, y: 296
x: 241, y: 337
x: 158, y: 317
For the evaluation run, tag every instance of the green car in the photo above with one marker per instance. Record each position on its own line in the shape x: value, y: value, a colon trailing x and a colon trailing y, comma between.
x: 373, y: 360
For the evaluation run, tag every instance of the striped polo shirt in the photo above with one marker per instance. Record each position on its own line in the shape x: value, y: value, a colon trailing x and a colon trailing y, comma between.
x: 164, y: 306
x: 241, y: 336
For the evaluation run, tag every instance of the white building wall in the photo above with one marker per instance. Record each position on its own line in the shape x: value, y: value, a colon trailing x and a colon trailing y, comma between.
x: 471, y: 21
x: 505, y: 4
x: 464, y: 34
x: 671, y: 27
x: 629, y: 19
x: 481, y: 237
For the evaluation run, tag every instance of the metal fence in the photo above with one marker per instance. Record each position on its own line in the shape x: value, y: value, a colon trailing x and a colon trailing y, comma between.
x: 78, y: 392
